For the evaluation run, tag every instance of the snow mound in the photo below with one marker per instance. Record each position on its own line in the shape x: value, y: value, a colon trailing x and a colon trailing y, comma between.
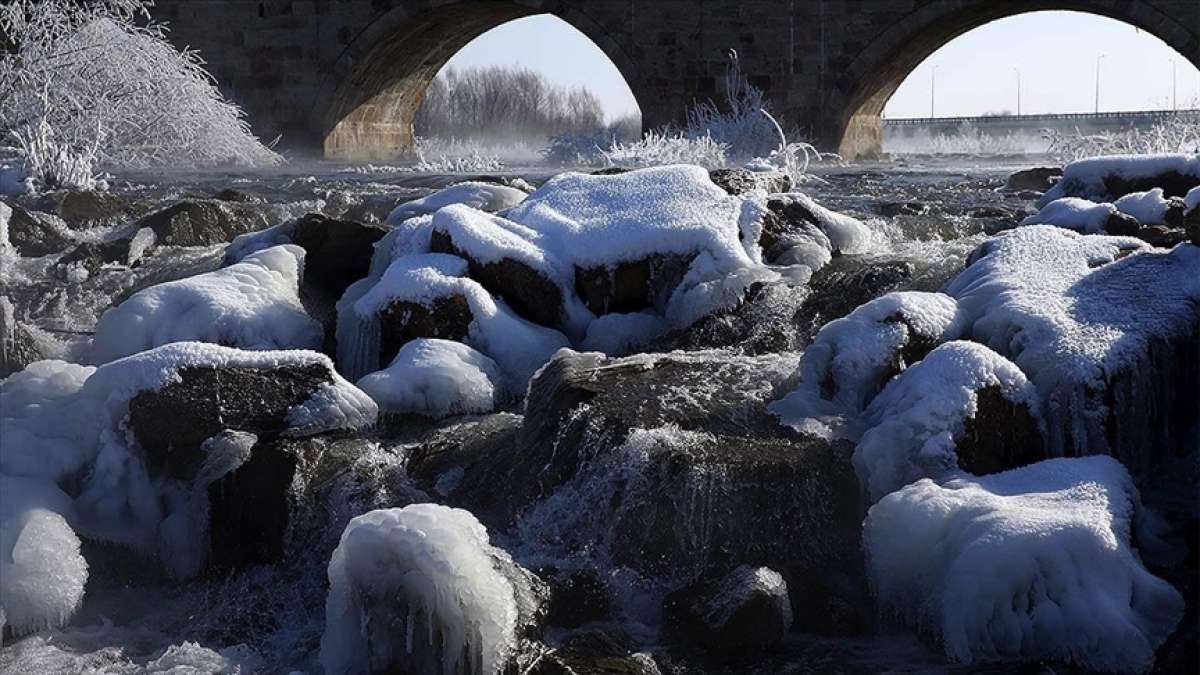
x: 518, y: 346
x: 1073, y: 213
x: 1070, y: 314
x: 42, y: 574
x: 1192, y: 199
x: 915, y: 419
x: 437, y: 378
x: 254, y: 304
x: 1087, y: 177
x: 1027, y: 565
x: 851, y: 358
x: 482, y: 196
x: 422, y: 563
x: 1149, y: 207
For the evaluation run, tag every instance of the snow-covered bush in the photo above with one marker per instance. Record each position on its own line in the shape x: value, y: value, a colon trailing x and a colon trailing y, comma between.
x: 739, y: 125
x: 1173, y: 135
x: 400, y: 577
x: 1031, y: 564
x: 661, y: 148
x: 86, y: 86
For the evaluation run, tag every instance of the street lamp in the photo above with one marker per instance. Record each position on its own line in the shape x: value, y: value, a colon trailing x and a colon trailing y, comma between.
x: 1018, y: 72
x: 1098, y: 59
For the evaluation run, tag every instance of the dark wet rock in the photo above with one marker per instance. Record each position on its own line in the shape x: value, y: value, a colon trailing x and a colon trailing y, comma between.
x: 375, y: 208
x: 1191, y: 223
x: 893, y: 209
x: 631, y: 286
x: 577, y: 597
x: 1162, y: 236
x: 1039, y: 179
x: 92, y: 255
x: 337, y: 252
x: 784, y: 219
x: 1176, y: 211
x: 21, y: 344
x: 507, y: 181
x: 991, y: 212
x: 847, y: 282
x: 1002, y: 435
x: 87, y: 207
x: 526, y: 290
x: 447, y: 318
x: 236, y: 195
x: 764, y: 322
x: 766, y: 496
x: 596, y: 652
x: 747, y: 609
x: 34, y: 234
x: 203, y: 222
x: 741, y: 181
x: 171, y: 423
x: 1029, y: 194
x: 1122, y: 224
x: 1173, y: 183
x: 611, y: 171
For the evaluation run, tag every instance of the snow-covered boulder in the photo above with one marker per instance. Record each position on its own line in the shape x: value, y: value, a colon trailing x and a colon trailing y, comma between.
x: 1076, y: 214
x: 134, y: 432
x: 436, y: 378
x: 1105, y: 179
x: 488, y: 197
x: 766, y: 321
x: 853, y: 357
x: 429, y: 296
x: 203, y: 222
x: 1031, y: 565
x: 747, y: 609
x: 797, y: 228
x: 961, y: 407
x: 1106, y: 337
x: 422, y: 590
x: 254, y: 304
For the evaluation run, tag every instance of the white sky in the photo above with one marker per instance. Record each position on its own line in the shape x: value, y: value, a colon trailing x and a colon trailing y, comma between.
x: 1055, y: 53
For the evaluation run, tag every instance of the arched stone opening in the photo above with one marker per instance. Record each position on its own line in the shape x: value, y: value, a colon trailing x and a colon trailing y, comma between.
x: 367, y: 106
x: 878, y: 70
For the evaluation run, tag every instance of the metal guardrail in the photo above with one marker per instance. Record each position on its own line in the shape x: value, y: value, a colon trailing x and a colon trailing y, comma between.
x: 1132, y: 116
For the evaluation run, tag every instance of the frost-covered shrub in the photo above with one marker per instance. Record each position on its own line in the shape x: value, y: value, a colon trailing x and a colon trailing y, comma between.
x: 966, y: 139
x: 84, y: 86
x: 1174, y: 135
x: 740, y: 124
x: 663, y: 148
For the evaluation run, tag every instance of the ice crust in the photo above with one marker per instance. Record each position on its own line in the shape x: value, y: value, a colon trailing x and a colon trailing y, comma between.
x: 438, y: 378
x: 1027, y: 565
x: 428, y: 561
x: 477, y: 195
x: 254, y: 304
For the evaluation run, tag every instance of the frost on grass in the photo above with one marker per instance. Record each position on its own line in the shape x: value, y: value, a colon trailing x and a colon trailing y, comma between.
x: 1028, y: 565
x: 1104, y: 179
x: 914, y: 422
x: 1073, y: 213
x: 253, y: 304
x: 63, y: 420
x: 851, y: 358
x: 488, y: 197
x: 418, y: 589
x: 1077, y: 320
x: 437, y: 378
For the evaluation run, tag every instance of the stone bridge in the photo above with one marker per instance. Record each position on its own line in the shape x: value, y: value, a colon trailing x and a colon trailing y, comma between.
x: 343, y: 78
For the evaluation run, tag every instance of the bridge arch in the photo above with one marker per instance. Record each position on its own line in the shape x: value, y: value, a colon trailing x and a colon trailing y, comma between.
x: 873, y: 75
x: 366, y: 104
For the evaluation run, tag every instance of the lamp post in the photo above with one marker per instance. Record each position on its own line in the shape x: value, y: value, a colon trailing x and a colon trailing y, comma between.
x: 1098, y: 60
x: 1018, y: 72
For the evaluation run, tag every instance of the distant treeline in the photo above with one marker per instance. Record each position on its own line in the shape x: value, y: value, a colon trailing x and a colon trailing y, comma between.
x: 500, y: 102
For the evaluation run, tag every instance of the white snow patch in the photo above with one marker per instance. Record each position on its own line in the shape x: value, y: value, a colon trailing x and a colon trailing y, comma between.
x: 1073, y: 213
x: 913, y: 421
x: 1150, y: 207
x: 1027, y: 565
x: 437, y: 378
x: 1085, y: 177
x: 482, y: 196
x: 423, y: 559
x: 254, y: 304
x: 1192, y: 199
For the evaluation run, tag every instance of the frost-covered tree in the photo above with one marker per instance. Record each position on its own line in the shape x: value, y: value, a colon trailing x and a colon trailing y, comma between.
x: 86, y: 85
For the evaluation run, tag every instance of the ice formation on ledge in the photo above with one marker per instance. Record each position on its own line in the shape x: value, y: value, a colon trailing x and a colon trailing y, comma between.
x: 61, y: 420
x: 1072, y: 316
x: 1073, y: 213
x: 42, y: 574
x: 846, y: 234
x: 1087, y: 177
x: 914, y: 421
x: 851, y: 358
x: 1032, y: 564
x: 618, y: 334
x: 1149, y: 207
x: 518, y: 346
x: 254, y: 304
x: 488, y: 197
x: 400, y: 579
x: 437, y: 378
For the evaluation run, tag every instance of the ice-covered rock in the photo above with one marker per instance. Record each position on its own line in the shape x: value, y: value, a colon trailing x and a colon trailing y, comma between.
x: 253, y: 304
x: 747, y: 609
x: 428, y: 296
x: 1106, y: 341
x: 791, y: 221
x: 765, y: 321
x: 31, y: 233
x: 20, y: 343
x: 422, y: 590
x: 203, y: 222
x: 853, y: 357
x: 488, y: 197
x: 741, y: 181
x: 961, y: 407
x: 1031, y: 565
x: 1076, y: 214
x: 1107, y: 178
x: 134, y: 430
x: 1040, y: 179
x: 436, y: 378
x: 620, y: 334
